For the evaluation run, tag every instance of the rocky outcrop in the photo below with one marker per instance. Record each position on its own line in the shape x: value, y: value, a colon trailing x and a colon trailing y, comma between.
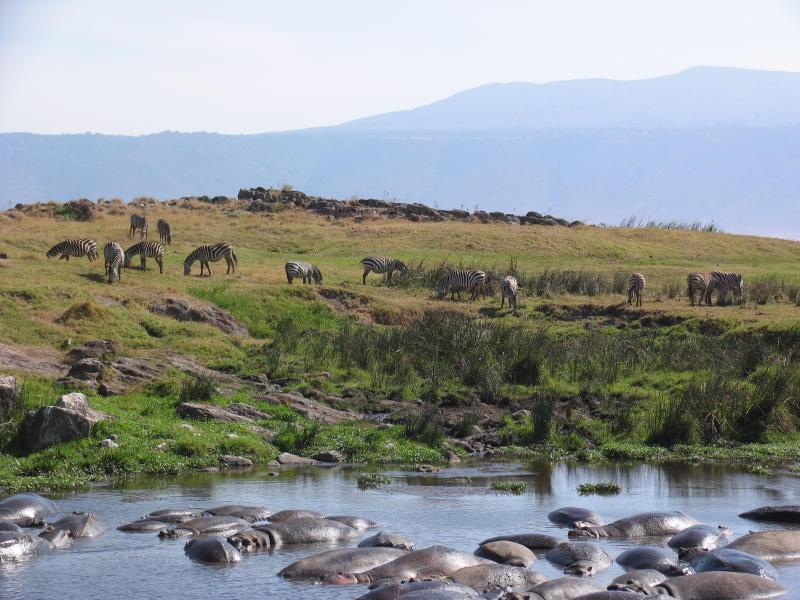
x: 72, y: 417
x: 230, y: 461
x: 93, y: 349
x: 10, y: 395
x: 310, y: 408
x: 209, y: 412
x: 329, y: 456
x: 183, y: 310
x: 32, y: 359
x: 287, y: 458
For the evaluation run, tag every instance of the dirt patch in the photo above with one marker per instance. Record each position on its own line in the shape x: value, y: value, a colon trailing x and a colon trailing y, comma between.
x: 349, y: 303
x: 32, y: 359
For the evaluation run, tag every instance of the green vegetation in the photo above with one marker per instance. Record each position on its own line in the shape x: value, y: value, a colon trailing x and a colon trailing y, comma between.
x: 601, y: 488
x: 368, y: 481
x: 513, y: 487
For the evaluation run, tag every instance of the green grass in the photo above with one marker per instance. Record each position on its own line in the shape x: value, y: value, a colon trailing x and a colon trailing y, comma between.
x: 601, y: 488
x: 513, y: 487
x: 369, y: 481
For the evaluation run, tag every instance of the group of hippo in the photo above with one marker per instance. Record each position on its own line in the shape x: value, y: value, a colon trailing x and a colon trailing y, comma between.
x: 697, y: 562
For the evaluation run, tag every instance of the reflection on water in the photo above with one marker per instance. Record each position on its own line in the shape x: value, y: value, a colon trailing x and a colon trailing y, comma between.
x: 453, y: 507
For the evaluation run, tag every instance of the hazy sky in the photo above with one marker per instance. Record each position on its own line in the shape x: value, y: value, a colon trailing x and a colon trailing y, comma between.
x: 242, y: 66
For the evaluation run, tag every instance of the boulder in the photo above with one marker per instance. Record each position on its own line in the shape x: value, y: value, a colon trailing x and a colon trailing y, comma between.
x: 70, y: 418
x: 209, y: 412
x: 286, y: 458
x: 310, y: 408
x: 229, y: 460
x: 329, y: 456
x: 92, y: 349
x: 183, y: 310
x: 245, y: 410
x: 10, y: 394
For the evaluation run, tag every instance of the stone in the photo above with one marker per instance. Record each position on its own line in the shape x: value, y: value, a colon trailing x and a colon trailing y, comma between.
x: 329, y: 456
x: 10, y: 394
x: 208, y: 412
x: 452, y: 457
x: 310, y: 408
x: 245, y: 410
x: 230, y: 460
x: 162, y: 447
x: 427, y: 469
x: 70, y: 418
x: 93, y: 349
x: 286, y: 458
x: 109, y: 443
x: 183, y: 310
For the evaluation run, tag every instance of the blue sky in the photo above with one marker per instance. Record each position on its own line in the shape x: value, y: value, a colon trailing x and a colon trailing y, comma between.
x: 243, y: 66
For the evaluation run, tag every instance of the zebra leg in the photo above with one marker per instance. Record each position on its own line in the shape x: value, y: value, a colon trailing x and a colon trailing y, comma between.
x: 503, y: 301
x: 389, y: 277
x: 208, y: 269
x: 143, y: 260
x: 160, y: 262
x: 364, y: 277
x: 289, y: 279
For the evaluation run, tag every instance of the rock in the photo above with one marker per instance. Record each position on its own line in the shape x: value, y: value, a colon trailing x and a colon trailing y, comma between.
x: 92, y: 349
x: 229, y: 460
x: 427, y: 469
x: 245, y: 410
x: 160, y: 447
x: 183, y: 310
x: 329, y: 456
x: 109, y: 443
x: 4, y: 255
x: 452, y: 457
x: 109, y: 389
x: 210, y: 469
x: 273, y: 474
x: 10, y: 394
x: 208, y: 412
x: 187, y: 427
x: 310, y: 408
x: 70, y: 418
x: 267, y: 434
x: 286, y: 458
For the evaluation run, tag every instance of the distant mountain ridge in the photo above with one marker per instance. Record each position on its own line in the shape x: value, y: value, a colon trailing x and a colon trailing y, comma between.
x: 707, y: 144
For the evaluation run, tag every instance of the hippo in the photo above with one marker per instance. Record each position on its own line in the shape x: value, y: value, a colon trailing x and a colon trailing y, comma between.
x: 16, y: 545
x: 142, y: 526
x: 563, y: 588
x: 652, y: 557
x: 649, y: 524
x: 719, y: 585
x: 436, y: 561
x: 27, y: 509
x: 776, y: 544
x: 303, y: 530
x: 205, y: 525
x: 172, y: 515
x: 79, y: 524
x: 533, y: 541
x: 359, y: 523
x: 638, y: 580
x: 436, y: 588
x: 507, y: 553
x: 789, y: 513
x: 728, y: 559
x: 285, y: 515
x: 703, y: 537
x: 568, y: 515
x: 385, y: 539
x: 614, y: 595
x: 248, y: 513
x: 486, y: 577
x: 579, y: 558
x: 250, y: 541
x: 211, y: 549
x: 341, y: 560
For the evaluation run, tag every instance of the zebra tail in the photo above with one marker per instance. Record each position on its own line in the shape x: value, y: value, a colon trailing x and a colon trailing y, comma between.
x: 235, y: 260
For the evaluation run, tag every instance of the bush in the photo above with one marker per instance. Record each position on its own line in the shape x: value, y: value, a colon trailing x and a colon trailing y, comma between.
x: 425, y: 427
x: 514, y: 487
x: 368, y: 481
x: 197, y: 388
x: 298, y: 437
x: 602, y: 488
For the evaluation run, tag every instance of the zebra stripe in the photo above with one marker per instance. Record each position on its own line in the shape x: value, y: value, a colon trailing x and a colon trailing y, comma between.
x: 146, y: 250
x: 206, y: 254
x: 724, y: 282
x: 698, y: 282
x: 636, y: 285
x: 379, y: 264
x: 138, y: 222
x: 114, y: 258
x: 76, y: 248
x: 508, y: 289
x: 462, y: 280
x: 305, y: 271
x: 164, y: 231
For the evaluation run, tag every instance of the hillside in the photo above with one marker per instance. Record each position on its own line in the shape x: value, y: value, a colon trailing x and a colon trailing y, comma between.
x: 320, y: 363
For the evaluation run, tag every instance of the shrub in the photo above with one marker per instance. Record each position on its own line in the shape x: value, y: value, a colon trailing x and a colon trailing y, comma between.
x: 197, y: 388
x: 514, y: 487
x: 368, y: 481
x: 425, y: 427
x: 298, y: 437
x: 602, y: 488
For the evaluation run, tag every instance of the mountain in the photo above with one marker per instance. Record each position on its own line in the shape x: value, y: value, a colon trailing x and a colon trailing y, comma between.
x: 706, y: 144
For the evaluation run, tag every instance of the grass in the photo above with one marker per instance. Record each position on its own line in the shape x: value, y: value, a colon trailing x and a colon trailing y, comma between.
x: 601, y: 488
x: 369, y: 481
x: 513, y: 487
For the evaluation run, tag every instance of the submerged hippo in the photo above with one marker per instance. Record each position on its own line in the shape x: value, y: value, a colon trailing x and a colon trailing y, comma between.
x: 359, y: 523
x: 533, y: 541
x: 17, y: 545
x: 779, y: 514
x: 568, y: 515
x: 79, y: 525
x: 433, y: 589
x: 9, y: 526
x: 303, y: 530
x: 719, y: 585
x: 652, y: 557
x: 342, y: 560
x: 248, y: 513
x: 728, y: 559
x: 780, y: 544
x: 638, y: 580
x: 385, y: 539
x: 211, y: 549
x: 205, y: 526
x: 27, y: 509
x: 285, y: 515
x: 507, y: 553
x: 563, y: 588
x: 142, y: 526
x: 436, y: 561
x: 579, y: 558
x: 487, y: 577
x: 172, y: 515
x: 702, y: 537
x: 649, y: 524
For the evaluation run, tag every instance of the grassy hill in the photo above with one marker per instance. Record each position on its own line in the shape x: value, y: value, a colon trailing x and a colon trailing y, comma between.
x: 583, y: 374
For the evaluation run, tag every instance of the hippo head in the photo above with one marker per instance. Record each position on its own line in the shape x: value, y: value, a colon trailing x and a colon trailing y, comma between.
x: 689, y: 554
x: 676, y: 571
x: 59, y: 538
x: 584, y: 530
x: 726, y: 531
x: 340, y: 579
x: 580, y: 568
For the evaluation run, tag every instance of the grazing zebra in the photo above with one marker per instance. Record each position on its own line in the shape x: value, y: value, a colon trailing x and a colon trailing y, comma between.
x: 723, y: 283
x: 146, y: 250
x: 115, y: 258
x: 462, y: 280
x: 377, y: 264
x: 138, y: 222
x: 508, y: 289
x: 636, y: 285
x: 76, y: 248
x: 698, y: 282
x: 206, y: 254
x: 305, y: 271
x: 164, y: 231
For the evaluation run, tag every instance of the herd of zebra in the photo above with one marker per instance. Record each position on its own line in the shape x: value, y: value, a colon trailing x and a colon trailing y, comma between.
x: 473, y: 281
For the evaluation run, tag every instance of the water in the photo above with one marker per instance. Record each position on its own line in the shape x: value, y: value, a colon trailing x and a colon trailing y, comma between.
x: 452, y: 508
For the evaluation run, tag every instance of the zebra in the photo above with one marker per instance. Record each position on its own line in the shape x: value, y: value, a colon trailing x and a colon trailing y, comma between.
x: 508, y: 289
x: 724, y: 282
x: 114, y: 258
x: 164, y: 231
x: 382, y: 265
x: 146, y: 250
x: 462, y: 280
x: 206, y: 254
x: 699, y: 282
x: 304, y: 270
x: 138, y: 222
x: 636, y: 285
x: 76, y: 248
